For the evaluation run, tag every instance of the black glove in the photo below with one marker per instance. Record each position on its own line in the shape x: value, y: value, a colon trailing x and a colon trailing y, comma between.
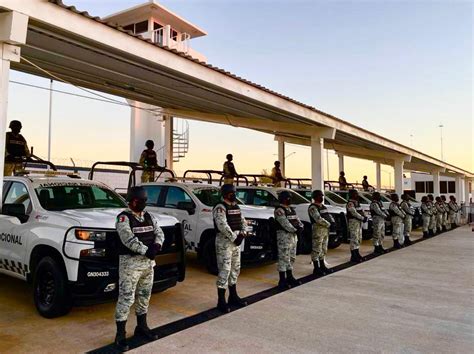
x: 238, y: 240
x: 365, y: 219
x: 152, y: 251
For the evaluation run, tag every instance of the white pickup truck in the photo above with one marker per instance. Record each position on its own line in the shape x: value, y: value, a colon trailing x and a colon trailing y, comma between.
x: 192, y: 204
x: 59, y: 234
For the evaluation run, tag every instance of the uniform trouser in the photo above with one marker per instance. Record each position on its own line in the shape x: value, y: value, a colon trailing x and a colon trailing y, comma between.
x: 286, y: 243
x: 135, y: 278
x: 228, y: 262
x: 439, y: 221
x: 397, y: 233
x: 320, y: 236
x: 378, y: 235
x: 452, y: 218
x: 433, y: 222
x: 426, y: 222
x: 355, y: 233
x: 407, y: 225
x: 11, y: 167
x: 445, y: 221
x: 148, y: 176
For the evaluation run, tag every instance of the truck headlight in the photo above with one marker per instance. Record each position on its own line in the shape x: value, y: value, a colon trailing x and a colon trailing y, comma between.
x: 252, y: 222
x: 90, y: 235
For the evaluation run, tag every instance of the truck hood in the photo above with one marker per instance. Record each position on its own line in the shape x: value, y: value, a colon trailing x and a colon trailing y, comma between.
x: 257, y: 212
x: 105, y: 218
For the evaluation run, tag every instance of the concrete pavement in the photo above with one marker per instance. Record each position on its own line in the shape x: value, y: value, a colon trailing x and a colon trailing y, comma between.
x: 418, y: 299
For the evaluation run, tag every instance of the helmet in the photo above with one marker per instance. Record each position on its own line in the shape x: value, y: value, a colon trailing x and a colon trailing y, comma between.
x: 229, y: 157
x: 150, y: 144
x: 277, y: 163
x: 283, y: 196
x: 438, y: 199
x: 443, y: 198
x: 394, y: 197
x: 342, y: 173
x: 15, y: 124
x: 424, y: 199
x: 405, y: 196
x: 365, y: 177
x: 316, y: 193
x: 376, y: 196
x: 430, y: 196
x: 137, y: 193
x: 227, y: 188
x: 452, y: 197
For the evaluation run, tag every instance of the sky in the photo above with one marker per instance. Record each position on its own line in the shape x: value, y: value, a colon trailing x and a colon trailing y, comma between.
x: 397, y: 68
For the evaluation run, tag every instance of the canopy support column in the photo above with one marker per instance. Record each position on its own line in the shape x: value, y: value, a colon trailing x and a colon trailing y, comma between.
x: 341, y: 162
x: 378, y: 176
x: 398, y: 175
x: 281, y: 155
x: 168, y: 141
x: 317, y: 162
x: 435, y: 175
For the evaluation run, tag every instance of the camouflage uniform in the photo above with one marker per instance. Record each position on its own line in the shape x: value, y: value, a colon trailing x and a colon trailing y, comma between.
x: 426, y: 216
x: 407, y: 222
x: 397, y: 217
x: 287, y: 238
x: 379, y: 214
x: 446, y: 223
x: 433, y: 217
x: 229, y: 172
x: 453, y: 210
x: 355, y: 217
x: 439, y: 215
x: 135, y: 271
x: 227, y: 252
x: 321, y: 221
x: 148, y: 159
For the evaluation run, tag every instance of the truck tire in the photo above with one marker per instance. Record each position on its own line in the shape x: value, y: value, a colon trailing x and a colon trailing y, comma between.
x: 209, y: 256
x: 51, y: 293
x: 334, y: 242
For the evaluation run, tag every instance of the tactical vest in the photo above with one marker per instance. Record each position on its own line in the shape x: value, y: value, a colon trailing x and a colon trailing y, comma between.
x: 357, y: 207
x: 233, y: 215
x: 229, y: 170
x: 423, y: 210
x: 323, y: 211
x: 278, y: 174
x: 15, y: 146
x: 390, y: 210
x: 150, y: 158
x: 372, y: 211
x: 433, y: 207
x: 143, y: 230
x: 411, y: 213
x: 290, y: 214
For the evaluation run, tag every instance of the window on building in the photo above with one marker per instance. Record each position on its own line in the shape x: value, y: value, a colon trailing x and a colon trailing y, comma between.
x: 429, y: 187
x: 420, y: 187
x: 443, y: 187
x: 141, y: 27
x: 173, y: 35
x: 156, y: 25
x: 130, y: 27
x: 451, y: 187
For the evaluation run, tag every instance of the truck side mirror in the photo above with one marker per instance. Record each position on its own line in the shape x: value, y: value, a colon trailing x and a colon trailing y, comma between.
x: 188, y: 206
x: 16, y: 210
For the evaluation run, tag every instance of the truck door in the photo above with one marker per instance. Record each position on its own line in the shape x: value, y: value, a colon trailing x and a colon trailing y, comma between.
x: 14, y: 231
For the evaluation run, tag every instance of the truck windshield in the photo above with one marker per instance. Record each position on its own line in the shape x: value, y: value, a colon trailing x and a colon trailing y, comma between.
x: 295, y: 197
x: 80, y: 196
x: 210, y: 196
x: 334, y: 197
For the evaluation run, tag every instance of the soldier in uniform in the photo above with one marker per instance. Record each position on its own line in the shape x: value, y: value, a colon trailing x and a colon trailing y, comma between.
x: 379, y: 215
x: 433, y: 217
x: 365, y: 183
x: 230, y: 232
x: 148, y: 161
x: 342, y: 181
x: 397, y: 218
x: 229, y: 170
x: 140, y: 241
x: 453, y: 211
x: 355, y: 217
x: 288, y: 227
x: 277, y: 175
x: 439, y: 214
x: 408, y: 221
x: 446, y: 224
x: 425, y: 215
x: 321, y: 221
x: 16, y: 149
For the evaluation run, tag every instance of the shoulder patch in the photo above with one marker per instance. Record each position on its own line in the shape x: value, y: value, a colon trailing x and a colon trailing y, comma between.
x: 350, y: 204
x: 279, y: 212
x: 121, y: 218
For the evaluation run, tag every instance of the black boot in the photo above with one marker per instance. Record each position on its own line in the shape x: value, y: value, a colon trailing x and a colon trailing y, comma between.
x: 221, y: 303
x: 317, y: 270
x: 396, y: 244
x: 361, y: 259
x: 291, y: 279
x: 407, y: 241
x: 378, y: 250
x: 355, y: 256
x: 283, y: 284
x: 425, y: 234
x: 322, y: 265
x: 431, y: 233
x: 444, y: 228
x: 234, y: 299
x: 453, y: 225
x: 120, y: 338
x: 142, y: 329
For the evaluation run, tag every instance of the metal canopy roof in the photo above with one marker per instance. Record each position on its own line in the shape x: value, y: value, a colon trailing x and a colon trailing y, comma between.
x: 86, y: 51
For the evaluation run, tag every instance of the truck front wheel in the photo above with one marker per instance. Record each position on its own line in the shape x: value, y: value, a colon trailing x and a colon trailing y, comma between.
x: 209, y: 256
x: 51, y: 293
